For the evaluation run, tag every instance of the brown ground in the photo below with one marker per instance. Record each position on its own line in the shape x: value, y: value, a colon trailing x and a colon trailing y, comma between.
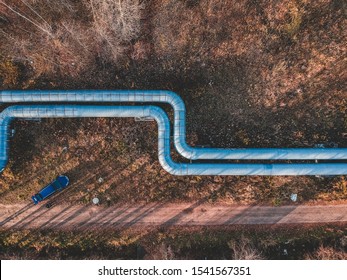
x: 252, y: 74
x: 123, y: 154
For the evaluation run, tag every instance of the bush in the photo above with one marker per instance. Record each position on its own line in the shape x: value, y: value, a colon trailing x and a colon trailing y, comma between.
x: 64, y: 37
x: 115, y: 22
x: 244, y: 250
x: 327, y: 253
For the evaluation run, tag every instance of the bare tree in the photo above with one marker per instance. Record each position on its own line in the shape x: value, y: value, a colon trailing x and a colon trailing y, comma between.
x: 70, y: 45
x: 243, y: 249
x: 36, y: 19
x: 116, y: 22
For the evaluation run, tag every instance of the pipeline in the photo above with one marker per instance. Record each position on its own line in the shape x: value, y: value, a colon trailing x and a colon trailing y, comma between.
x: 162, y: 96
x: 174, y: 168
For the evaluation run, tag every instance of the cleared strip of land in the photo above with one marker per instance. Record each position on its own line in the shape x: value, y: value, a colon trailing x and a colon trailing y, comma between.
x: 22, y: 216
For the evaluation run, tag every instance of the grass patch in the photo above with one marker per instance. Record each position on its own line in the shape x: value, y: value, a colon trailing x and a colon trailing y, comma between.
x: 258, y: 242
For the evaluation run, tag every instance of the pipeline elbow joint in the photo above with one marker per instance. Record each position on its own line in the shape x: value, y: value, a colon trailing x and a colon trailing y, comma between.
x: 172, y: 167
x: 184, y: 149
x: 3, y: 163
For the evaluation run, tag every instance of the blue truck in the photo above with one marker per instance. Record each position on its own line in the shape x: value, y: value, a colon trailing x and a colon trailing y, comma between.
x: 60, y: 183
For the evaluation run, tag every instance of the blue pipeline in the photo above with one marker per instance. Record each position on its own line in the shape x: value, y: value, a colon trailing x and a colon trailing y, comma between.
x: 162, y: 96
x: 82, y: 111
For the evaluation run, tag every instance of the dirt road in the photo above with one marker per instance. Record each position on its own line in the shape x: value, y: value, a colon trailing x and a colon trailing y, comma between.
x: 83, y: 217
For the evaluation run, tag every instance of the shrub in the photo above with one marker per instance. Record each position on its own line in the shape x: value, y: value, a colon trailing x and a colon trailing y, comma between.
x: 115, y: 23
x: 244, y: 250
x: 63, y: 37
x: 327, y: 253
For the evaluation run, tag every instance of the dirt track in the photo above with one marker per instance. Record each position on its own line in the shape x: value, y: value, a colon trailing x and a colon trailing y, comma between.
x: 85, y: 217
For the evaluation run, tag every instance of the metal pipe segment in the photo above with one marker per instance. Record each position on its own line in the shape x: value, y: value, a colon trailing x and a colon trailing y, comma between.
x: 174, y: 168
x: 179, y: 124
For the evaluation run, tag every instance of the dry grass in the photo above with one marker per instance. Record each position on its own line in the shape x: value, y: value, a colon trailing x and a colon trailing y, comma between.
x: 9, y: 73
x: 243, y: 249
x: 327, y: 253
x: 161, y: 252
x: 177, y: 243
x: 67, y: 52
x: 115, y: 22
x: 268, y: 74
x: 57, y: 37
x: 124, y: 154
